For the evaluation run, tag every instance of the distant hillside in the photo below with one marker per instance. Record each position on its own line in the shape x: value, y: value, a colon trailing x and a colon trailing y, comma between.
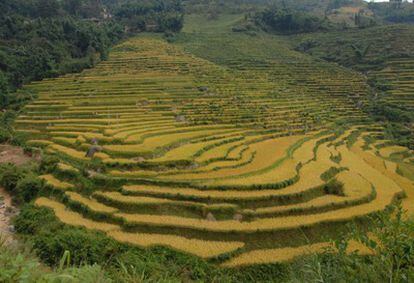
x: 385, y: 54
x: 47, y: 38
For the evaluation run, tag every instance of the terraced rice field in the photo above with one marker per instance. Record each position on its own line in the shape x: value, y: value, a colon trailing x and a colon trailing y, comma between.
x: 399, y: 75
x: 225, y: 159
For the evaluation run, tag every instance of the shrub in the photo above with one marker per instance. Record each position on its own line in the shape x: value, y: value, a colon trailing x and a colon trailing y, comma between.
x: 5, y: 135
x: 392, y: 242
x: 9, y: 176
x: 84, y: 246
x: 48, y: 164
x: 28, y: 188
x: 32, y: 220
x: 334, y: 187
x: 19, y: 265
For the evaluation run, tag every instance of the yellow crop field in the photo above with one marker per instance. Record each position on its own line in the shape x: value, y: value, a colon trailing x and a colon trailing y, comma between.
x: 73, y: 153
x: 356, y: 188
x: 288, y: 254
x: 187, y: 151
x: 201, y: 248
x: 152, y: 143
x: 138, y: 200
x: 39, y: 142
x: 73, y: 218
x: 220, y: 151
x: 64, y: 140
x: 90, y: 203
x: 388, y: 150
x: 67, y: 167
x: 56, y: 183
x: 267, y: 153
x: 219, y: 157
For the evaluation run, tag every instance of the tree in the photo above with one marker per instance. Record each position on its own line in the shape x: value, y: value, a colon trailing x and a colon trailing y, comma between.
x: 4, y: 91
x: 47, y: 8
x: 72, y: 6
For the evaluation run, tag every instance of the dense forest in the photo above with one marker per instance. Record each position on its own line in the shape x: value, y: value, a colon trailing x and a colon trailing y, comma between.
x: 47, y: 38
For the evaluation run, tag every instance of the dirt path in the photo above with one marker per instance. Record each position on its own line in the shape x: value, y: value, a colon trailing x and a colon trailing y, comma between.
x: 6, y: 212
x: 15, y: 155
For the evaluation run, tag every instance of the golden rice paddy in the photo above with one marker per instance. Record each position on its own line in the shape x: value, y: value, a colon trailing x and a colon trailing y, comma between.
x: 201, y: 248
x: 209, y: 160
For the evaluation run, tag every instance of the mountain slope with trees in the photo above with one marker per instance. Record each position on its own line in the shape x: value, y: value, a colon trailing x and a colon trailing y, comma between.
x: 47, y: 38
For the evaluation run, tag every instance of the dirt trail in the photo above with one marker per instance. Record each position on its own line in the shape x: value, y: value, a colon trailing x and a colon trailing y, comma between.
x: 15, y: 155
x: 6, y: 211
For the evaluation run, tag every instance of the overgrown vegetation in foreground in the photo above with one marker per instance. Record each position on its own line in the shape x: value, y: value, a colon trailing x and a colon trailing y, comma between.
x: 55, y: 252
x: 104, y: 260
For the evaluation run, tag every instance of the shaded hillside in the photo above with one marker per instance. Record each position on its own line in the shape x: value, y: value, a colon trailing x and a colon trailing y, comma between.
x: 385, y: 54
x: 47, y: 38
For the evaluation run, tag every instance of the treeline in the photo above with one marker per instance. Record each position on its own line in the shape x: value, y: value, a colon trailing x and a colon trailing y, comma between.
x: 150, y: 15
x: 289, y: 21
x: 394, y: 11
x: 47, y: 38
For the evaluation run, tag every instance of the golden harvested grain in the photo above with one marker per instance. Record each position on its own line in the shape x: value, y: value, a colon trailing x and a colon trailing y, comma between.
x: 90, y: 203
x: 56, y: 183
x: 152, y: 143
x: 69, y: 151
x: 64, y: 140
x: 290, y: 253
x: 390, y: 166
x: 187, y: 151
x: 355, y: 188
x: 386, y: 190
x: 39, y: 142
x: 153, y: 200
x: 388, y: 150
x: 403, y: 183
x: 267, y: 153
x: 73, y: 218
x: 67, y: 167
x: 201, y: 248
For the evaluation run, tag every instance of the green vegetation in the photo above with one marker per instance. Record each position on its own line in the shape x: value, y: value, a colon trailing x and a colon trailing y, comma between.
x: 113, y: 262
x: 43, y: 38
x: 384, y: 54
x: 183, y: 156
x: 287, y: 22
x: 394, y: 12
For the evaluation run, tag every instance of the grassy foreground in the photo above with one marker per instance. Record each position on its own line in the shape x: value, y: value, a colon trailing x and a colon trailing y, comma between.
x: 393, y: 260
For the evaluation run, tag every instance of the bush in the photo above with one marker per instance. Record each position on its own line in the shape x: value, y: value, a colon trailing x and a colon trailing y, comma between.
x: 9, y: 176
x: 4, y: 135
x: 28, y: 188
x: 392, y: 243
x: 32, y: 220
x: 86, y: 247
x: 287, y: 21
x: 48, y: 163
x: 19, y: 265
x: 334, y: 187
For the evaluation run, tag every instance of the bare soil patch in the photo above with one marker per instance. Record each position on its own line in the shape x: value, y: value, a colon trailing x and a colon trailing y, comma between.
x: 13, y: 154
x: 7, y: 210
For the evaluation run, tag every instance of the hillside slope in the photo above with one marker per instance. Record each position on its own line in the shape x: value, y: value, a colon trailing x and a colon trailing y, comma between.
x: 215, y: 146
x: 385, y: 55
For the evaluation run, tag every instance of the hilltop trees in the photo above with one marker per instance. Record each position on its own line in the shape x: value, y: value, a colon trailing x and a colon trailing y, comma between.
x: 395, y: 11
x: 286, y: 21
x: 46, y: 38
x: 151, y: 15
